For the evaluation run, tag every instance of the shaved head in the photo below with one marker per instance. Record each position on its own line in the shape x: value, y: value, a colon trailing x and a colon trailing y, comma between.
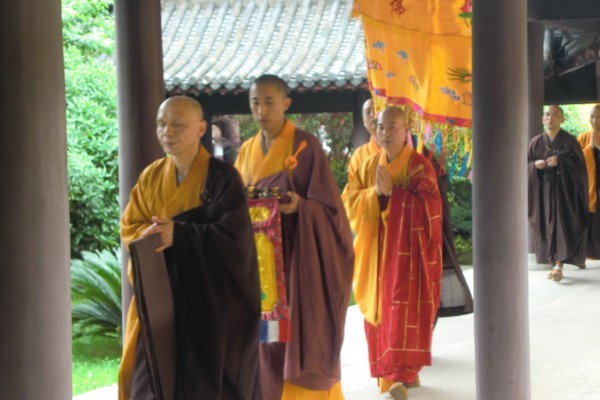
x: 392, y: 129
x: 179, y: 126
x: 184, y: 102
x: 393, y: 112
x: 273, y: 80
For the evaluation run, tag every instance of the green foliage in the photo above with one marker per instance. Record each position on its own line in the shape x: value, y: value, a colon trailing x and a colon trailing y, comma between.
x: 464, y: 250
x: 575, y: 120
x: 333, y: 131
x: 96, y: 293
x: 88, y: 41
x: 459, y: 197
x: 95, y: 362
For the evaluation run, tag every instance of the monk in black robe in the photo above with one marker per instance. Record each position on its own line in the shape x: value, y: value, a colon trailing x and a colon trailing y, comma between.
x: 194, y: 206
x: 558, y: 196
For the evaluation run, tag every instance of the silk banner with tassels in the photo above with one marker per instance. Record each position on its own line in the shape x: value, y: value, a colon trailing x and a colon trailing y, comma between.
x: 419, y: 54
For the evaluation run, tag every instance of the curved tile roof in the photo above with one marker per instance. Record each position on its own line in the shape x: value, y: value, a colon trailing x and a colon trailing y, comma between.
x: 223, y: 45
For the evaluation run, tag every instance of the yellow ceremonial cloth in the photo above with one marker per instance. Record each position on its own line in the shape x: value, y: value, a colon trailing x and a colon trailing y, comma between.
x: 254, y: 166
x: 585, y: 139
x: 419, y: 54
x: 293, y: 392
x: 155, y: 194
x: 360, y: 155
x: 590, y: 164
x: 362, y: 206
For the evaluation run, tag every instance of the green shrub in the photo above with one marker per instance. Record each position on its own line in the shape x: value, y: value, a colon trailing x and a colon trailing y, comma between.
x: 464, y: 250
x: 90, y: 81
x: 96, y: 293
x: 459, y: 197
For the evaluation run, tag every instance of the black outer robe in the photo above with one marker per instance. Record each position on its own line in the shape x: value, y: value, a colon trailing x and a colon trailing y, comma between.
x: 214, y: 280
x: 558, y: 199
x: 454, y: 285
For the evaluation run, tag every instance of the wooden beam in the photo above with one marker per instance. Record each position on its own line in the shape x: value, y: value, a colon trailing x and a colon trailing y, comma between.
x: 302, y: 102
x: 548, y: 10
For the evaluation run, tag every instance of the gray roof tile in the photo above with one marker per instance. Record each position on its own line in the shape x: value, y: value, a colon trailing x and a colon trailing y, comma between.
x: 223, y: 45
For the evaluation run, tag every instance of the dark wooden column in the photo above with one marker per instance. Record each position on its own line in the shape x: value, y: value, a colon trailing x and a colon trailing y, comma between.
x: 140, y: 91
x: 35, y: 319
x: 500, y: 199
x: 535, y: 77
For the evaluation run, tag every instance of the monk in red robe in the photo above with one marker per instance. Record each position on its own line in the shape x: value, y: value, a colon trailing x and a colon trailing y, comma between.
x: 317, y: 249
x: 395, y: 209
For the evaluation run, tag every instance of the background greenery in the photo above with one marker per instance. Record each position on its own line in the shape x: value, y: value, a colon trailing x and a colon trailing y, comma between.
x: 95, y: 362
x: 90, y: 77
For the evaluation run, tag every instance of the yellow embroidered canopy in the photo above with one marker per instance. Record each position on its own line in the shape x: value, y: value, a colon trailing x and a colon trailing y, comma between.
x: 419, y: 54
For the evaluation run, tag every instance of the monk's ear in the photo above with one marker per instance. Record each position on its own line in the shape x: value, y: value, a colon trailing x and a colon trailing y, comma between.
x: 287, y: 103
x: 201, y: 129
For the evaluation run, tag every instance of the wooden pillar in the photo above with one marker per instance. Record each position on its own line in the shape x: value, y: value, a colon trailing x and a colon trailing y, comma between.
x: 535, y: 77
x: 500, y: 199
x: 35, y: 320
x: 140, y: 92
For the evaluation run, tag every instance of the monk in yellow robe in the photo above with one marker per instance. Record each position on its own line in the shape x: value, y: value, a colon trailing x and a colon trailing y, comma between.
x: 369, y: 148
x: 317, y: 249
x: 196, y: 204
x: 395, y: 209
x: 456, y: 298
x: 590, y: 144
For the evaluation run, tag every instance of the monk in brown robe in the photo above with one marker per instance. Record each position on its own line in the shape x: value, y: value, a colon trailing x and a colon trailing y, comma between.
x: 317, y: 247
x: 558, y: 196
x: 396, y: 211
x: 590, y: 144
x: 196, y: 204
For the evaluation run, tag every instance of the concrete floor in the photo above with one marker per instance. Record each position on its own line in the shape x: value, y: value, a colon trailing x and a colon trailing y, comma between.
x: 565, y: 346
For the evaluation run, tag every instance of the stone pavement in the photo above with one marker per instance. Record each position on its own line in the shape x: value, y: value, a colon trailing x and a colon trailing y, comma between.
x: 564, y: 335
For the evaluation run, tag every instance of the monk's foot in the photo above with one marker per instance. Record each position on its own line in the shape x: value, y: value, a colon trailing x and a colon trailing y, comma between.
x: 398, y: 391
x: 582, y: 266
x: 556, y: 275
x: 413, y: 384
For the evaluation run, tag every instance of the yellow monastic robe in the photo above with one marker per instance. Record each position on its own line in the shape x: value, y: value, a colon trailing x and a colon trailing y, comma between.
x: 360, y: 155
x: 155, y: 194
x: 253, y: 166
x: 590, y: 164
x: 362, y: 207
x: 585, y: 139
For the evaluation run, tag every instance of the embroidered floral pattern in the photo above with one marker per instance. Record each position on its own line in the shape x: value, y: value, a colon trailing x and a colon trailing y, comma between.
x: 397, y: 7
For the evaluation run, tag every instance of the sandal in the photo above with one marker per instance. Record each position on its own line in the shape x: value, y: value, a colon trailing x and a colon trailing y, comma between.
x: 398, y: 391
